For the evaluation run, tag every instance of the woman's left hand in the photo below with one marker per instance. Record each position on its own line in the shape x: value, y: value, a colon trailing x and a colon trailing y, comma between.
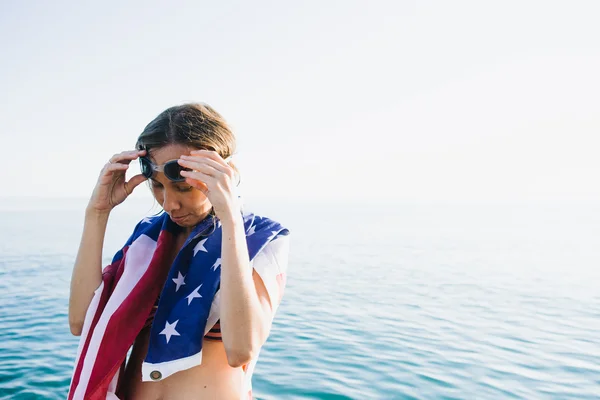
x: 214, y: 177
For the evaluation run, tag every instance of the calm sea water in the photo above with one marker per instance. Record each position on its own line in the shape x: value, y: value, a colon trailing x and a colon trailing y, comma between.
x: 383, y: 302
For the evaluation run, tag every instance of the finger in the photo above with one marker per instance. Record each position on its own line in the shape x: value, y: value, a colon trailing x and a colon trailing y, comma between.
x: 126, y: 157
x: 199, y: 160
x: 199, y: 180
x: 197, y: 185
x: 213, y: 155
x: 109, y: 170
x: 199, y: 176
x: 201, y: 165
x: 115, y: 167
x: 209, y: 159
x: 134, y: 182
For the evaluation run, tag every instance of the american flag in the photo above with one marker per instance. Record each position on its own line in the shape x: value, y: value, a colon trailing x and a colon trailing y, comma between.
x: 129, y: 289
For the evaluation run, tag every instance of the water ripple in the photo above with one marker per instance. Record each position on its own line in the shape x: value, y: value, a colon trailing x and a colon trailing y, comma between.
x: 423, y: 311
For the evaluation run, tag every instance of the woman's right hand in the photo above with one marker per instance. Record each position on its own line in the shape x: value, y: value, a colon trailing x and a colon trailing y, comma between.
x: 112, y: 189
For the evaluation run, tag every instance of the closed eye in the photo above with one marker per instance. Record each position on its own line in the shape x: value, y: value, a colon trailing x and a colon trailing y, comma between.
x: 184, y: 188
x: 178, y: 187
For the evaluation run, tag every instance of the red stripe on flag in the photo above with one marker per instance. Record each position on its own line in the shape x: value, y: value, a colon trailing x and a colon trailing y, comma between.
x: 130, y: 317
x: 108, y: 277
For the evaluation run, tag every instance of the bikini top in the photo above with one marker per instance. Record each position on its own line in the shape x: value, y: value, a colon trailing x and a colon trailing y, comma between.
x: 213, y: 334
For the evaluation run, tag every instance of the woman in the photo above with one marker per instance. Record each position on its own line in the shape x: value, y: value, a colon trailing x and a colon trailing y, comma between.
x: 194, y: 290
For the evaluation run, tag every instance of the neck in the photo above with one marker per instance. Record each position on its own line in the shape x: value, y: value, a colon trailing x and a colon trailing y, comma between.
x: 188, y: 230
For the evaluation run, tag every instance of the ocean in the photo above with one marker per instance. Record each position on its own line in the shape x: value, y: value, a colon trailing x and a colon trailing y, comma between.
x: 404, y: 301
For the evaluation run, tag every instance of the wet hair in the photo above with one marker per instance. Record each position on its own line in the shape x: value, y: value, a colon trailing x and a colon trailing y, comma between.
x: 196, y: 125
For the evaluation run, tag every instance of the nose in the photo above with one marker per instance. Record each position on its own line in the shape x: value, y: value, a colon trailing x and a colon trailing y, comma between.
x: 170, y: 201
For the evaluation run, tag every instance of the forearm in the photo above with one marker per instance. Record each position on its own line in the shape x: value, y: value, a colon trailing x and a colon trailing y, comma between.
x: 241, y: 312
x: 87, y: 272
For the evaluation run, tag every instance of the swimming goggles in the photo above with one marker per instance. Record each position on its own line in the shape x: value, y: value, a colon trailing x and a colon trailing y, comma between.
x: 171, y: 169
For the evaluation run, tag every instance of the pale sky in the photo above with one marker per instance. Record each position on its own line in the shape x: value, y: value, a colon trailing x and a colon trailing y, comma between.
x: 330, y: 100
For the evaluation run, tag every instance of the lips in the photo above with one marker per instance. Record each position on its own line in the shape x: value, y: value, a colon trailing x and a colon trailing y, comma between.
x: 178, y: 218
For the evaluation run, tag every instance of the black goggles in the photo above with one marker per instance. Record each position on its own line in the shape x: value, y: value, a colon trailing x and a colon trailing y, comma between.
x: 171, y: 169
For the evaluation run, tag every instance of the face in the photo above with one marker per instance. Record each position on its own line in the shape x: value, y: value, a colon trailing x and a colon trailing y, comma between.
x: 186, y: 206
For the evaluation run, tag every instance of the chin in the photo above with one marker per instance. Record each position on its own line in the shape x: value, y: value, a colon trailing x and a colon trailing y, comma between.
x: 189, y: 222
x: 184, y: 221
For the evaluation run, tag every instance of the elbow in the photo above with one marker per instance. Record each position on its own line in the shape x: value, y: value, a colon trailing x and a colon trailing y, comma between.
x: 240, y: 355
x: 76, y: 330
x: 239, y: 358
x: 76, y: 327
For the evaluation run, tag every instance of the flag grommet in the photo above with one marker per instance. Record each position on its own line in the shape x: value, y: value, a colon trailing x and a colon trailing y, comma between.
x: 155, y: 375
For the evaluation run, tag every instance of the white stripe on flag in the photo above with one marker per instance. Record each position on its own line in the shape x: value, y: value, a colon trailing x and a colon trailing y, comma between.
x: 89, y: 316
x: 137, y: 260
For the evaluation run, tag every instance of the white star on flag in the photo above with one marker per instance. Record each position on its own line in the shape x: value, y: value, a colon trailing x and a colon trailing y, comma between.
x: 146, y: 220
x: 170, y: 330
x: 179, y: 280
x: 200, y: 247
x: 218, y: 223
x: 194, y: 294
x: 217, y: 264
x: 274, y: 233
x: 251, y: 230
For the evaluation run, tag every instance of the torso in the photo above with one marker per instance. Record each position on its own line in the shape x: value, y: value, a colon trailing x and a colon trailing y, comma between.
x: 213, y: 379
